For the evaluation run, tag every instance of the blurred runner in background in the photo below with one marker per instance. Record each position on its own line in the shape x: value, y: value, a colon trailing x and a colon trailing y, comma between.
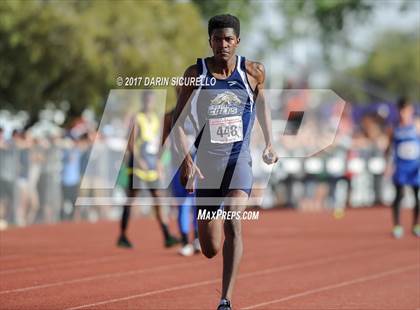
x: 405, y: 143
x: 144, y: 167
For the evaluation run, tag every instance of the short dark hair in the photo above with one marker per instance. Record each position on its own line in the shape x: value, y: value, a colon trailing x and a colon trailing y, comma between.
x: 224, y: 21
x: 403, y: 102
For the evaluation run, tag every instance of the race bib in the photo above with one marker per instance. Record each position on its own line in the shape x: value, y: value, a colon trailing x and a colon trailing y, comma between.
x: 408, y: 150
x: 226, y: 129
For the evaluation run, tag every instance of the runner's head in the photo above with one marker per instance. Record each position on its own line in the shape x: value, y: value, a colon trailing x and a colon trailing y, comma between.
x: 224, y: 35
x: 405, y: 109
x: 147, y: 100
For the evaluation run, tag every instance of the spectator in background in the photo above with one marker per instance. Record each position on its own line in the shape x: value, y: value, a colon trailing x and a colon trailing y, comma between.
x: 4, y: 194
x: 23, y: 180
x: 144, y: 168
x: 42, y: 184
x: 89, y: 177
x: 2, y: 140
x: 361, y: 182
x: 70, y: 177
x: 34, y: 173
x: 101, y: 175
x: 52, y: 168
x: 373, y: 129
x: 343, y: 152
x: 9, y: 163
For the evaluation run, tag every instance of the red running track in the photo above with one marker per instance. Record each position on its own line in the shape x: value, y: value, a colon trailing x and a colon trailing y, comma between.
x: 292, y: 261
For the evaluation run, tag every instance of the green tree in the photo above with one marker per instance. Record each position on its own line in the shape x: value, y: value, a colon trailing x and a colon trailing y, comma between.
x: 392, y: 68
x: 331, y: 21
x: 327, y: 16
x: 73, y: 51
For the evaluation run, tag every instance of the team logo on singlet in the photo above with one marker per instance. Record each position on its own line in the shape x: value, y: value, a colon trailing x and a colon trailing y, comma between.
x: 227, y: 126
x: 224, y: 104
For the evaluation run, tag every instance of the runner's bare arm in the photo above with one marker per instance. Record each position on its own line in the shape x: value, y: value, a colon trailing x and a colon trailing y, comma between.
x: 256, y: 72
x: 180, y: 114
x: 131, y: 137
x: 390, y: 134
x: 388, y: 159
x: 188, y: 168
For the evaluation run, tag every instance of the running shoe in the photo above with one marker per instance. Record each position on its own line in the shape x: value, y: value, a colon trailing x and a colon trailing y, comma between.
x: 338, y: 213
x: 3, y: 224
x: 186, y: 250
x: 171, y: 241
x: 123, y: 242
x: 224, y: 305
x: 398, y: 232
x: 416, y: 230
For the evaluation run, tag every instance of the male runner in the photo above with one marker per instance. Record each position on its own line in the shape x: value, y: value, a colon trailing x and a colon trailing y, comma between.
x: 405, y: 140
x: 223, y: 114
x: 143, y: 167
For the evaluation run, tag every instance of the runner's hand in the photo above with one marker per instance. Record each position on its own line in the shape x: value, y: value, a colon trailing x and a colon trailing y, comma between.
x: 269, y: 155
x: 188, y: 172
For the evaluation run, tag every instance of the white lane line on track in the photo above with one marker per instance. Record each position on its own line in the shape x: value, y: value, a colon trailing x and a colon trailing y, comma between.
x: 334, y: 286
x: 64, y: 264
x: 165, y: 290
x: 36, y: 254
x: 54, y: 263
x: 104, y: 276
x: 120, y: 274
x: 245, y: 275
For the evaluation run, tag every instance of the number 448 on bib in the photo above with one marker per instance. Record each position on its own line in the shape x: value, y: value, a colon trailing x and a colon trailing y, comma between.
x: 226, y: 129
